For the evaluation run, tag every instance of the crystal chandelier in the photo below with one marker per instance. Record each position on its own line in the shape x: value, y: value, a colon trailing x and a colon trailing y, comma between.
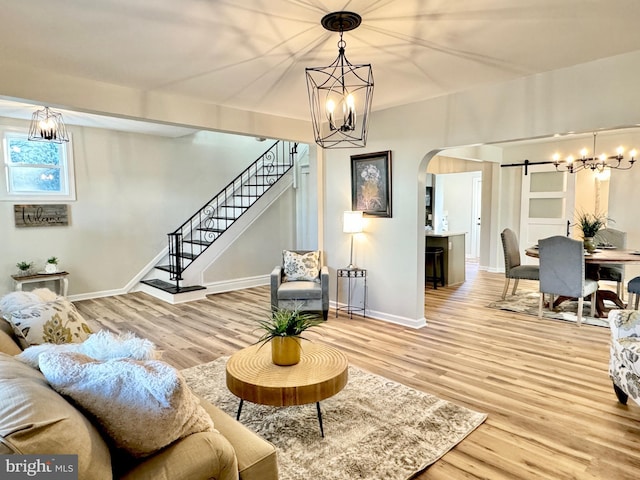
x: 340, y: 94
x: 596, y: 163
x: 47, y: 126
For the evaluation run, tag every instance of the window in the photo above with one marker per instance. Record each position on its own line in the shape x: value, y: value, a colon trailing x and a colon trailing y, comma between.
x: 36, y: 170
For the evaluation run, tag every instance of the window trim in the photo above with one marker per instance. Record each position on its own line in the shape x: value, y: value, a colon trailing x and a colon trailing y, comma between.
x: 68, y: 169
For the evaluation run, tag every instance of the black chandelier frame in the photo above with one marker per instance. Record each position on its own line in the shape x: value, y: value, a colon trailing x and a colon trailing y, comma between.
x: 594, y: 163
x: 340, y: 85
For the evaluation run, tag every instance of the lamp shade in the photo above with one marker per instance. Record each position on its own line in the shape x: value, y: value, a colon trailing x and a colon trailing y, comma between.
x: 352, y: 222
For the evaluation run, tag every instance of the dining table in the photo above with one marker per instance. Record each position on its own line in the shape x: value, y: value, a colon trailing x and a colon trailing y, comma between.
x: 601, y: 256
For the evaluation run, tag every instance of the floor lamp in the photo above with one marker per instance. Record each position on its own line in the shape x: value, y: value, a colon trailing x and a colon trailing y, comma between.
x: 352, y: 223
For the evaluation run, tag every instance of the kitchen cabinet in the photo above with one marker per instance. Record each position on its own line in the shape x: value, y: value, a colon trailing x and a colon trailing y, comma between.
x: 454, y: 247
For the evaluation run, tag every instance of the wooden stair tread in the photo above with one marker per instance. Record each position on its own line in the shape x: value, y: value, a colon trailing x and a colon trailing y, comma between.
x: 170, y: 287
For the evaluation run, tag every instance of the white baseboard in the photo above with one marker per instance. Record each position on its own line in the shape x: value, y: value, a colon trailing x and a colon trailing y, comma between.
x: 211, y: 288
x: 237, y: 284
x: 102, y: 294
x: 492, y: 269
x: 387, y: 317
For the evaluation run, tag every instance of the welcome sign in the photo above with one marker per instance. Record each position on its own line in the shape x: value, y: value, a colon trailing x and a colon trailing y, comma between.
x: 47, y: 215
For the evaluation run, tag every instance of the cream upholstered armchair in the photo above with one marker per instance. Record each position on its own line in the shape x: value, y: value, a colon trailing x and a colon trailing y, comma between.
x: 301, y: 282
x: 624, y: 361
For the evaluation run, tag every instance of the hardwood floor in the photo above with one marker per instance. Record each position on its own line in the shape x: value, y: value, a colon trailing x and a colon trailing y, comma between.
x: 544, y: 383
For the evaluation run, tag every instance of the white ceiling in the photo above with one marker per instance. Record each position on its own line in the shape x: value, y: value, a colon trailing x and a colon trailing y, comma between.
x: 251, y: 54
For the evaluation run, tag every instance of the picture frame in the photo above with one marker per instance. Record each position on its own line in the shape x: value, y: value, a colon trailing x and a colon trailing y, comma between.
x: 371, y: 184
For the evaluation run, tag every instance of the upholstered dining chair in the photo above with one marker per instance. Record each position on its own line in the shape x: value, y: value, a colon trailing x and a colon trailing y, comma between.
x: 512, y: 267
x: 562, y: 273
x: 633, y: 288
x: 613, y: 273
x: 301, y: 282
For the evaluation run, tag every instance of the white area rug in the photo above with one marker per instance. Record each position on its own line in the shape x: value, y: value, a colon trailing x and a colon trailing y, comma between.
x: 375, y: 429
x: 527, y: 302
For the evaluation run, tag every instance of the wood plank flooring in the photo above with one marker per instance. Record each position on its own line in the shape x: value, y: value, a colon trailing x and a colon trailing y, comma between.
x: 544, y: 383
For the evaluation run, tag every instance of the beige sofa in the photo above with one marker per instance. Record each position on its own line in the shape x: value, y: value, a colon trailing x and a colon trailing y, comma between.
x: 34, y: 419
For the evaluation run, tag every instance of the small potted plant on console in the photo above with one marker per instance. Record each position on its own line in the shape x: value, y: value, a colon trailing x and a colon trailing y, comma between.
x: 24, y: 268
x: 52, y: 265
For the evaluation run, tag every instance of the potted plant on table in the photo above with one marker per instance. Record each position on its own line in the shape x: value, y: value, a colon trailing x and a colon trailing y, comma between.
x: 52, y: 265
x: 284, y: 331
x: 24, y: 268
x: 590, y: 224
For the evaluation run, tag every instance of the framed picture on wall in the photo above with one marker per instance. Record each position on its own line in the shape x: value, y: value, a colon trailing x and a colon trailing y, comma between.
x: 371, y: 184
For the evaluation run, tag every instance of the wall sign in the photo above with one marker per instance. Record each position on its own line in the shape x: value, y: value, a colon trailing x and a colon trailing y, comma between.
x: 46, y: 215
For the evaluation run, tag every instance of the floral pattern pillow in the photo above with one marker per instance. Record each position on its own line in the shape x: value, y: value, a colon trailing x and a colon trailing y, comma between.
x: 301, y: 266
x: 52, y: 322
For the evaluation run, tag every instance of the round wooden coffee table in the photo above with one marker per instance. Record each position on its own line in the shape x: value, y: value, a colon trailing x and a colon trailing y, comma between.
x: 321, y: 373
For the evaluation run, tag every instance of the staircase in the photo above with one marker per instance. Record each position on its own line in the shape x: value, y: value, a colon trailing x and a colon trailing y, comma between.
x: 209, y: 223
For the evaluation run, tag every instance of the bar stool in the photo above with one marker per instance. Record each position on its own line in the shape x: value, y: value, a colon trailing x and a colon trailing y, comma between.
x: 435, y: 256
x: 633, y: 287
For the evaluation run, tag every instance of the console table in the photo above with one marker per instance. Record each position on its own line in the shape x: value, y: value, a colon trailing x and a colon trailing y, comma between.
x: 60, y: 277
x: 351, y: 274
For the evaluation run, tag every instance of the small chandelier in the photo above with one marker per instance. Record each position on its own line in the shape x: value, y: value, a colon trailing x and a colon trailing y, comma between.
x: 47, y: 126
x: 596, y: 163
x: 340, y: 94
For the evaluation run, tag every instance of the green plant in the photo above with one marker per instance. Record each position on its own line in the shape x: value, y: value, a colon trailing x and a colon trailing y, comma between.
x: 287, y: 323
x: 24, y: 266
x: 53, y: 260
x: 590, y: 223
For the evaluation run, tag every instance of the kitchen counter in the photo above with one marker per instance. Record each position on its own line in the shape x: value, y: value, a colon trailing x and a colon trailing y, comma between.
x: 454, y: 247
x: 437, y: 233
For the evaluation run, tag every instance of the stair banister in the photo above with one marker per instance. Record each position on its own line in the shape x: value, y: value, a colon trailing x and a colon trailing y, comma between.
x: 207, y: 218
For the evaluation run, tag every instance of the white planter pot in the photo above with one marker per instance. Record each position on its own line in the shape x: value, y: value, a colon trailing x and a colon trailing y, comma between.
x: 51, y: 268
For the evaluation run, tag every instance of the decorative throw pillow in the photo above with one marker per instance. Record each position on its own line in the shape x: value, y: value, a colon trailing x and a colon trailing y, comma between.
x: 35, y: 419
x: 301, y: 266
x: 14, y: 301
x: 51, y: 322
x: 142, y: 405
x: 102, y: 345
x: 45, y: 294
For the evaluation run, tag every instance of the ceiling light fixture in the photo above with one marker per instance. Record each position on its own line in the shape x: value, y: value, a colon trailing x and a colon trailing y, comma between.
x: 340, y: 94
x: 47, y: 126
x: 596, y: 163
x: 600, y: 165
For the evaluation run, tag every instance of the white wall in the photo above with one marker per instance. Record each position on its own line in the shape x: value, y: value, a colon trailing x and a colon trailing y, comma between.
x: 259, y: 249
x: 132, y: 190
x: 456, y: 178
x: 458, y: 202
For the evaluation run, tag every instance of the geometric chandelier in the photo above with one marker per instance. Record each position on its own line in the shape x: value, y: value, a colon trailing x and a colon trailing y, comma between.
x: 340, y: 94
x: 596, y: 163
x: 47, y: 126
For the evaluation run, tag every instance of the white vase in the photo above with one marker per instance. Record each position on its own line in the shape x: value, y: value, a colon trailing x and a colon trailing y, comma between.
x: 51, y: 268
